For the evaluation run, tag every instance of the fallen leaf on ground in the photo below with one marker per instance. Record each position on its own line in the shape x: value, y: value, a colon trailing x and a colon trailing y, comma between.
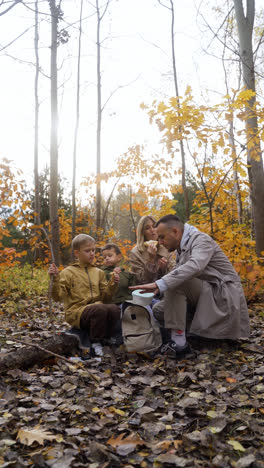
x: 28, y: 437
x: 236, y: 445
x: 132, y: 439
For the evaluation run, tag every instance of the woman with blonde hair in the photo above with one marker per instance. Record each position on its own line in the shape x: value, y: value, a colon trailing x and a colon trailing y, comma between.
x: 149, y: 261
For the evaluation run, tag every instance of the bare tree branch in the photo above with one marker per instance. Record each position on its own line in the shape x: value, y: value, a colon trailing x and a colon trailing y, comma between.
x: 32, y: 64
x: 108, y: 202
x: 105, y: 10
x: 153, y: 44
x: 216, y: 33
x: 259, y: 43
x: 63, y: 358
x: 117, y: 89
x: 165, y: 6
x: 10, y: 6
x: 16, y: 38
x: 33, y: 10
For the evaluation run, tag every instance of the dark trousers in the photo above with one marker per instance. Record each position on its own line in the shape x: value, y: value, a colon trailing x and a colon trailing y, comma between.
x: 100, y: 320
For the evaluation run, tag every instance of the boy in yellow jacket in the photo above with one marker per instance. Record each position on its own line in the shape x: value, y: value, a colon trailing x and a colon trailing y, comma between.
x: 85, y: 292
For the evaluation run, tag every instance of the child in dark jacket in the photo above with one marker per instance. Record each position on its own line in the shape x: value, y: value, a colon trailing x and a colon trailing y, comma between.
x: 112, y: 258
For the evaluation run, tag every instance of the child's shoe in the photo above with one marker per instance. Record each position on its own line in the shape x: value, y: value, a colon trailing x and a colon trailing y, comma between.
x: 116, y: 340
x: 82, y: 335
x: 97, y: 348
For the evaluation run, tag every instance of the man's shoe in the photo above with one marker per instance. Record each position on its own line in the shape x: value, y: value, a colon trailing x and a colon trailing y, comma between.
x: 165, y: 335
x: 172, y: 350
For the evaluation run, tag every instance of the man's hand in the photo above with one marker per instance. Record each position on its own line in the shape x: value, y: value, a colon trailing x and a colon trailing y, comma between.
x: 150, y: 287
x: 162, y: 262
x: 53, y: 270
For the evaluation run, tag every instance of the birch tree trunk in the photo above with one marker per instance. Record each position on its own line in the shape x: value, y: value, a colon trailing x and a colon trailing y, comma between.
x: 76, y: 124
x: 183, y: 178
x: 184, y: 188
x: 99, y: 120
x: 36, y: 130
x: 235, y: 173
x: 131, y: 213
x: 232, y: 141
x: 54, y: 218
x: 245, y: 25
x: 99, y: 110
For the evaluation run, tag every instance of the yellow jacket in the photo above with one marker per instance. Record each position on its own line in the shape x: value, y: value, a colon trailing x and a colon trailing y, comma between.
x: 80, y: 285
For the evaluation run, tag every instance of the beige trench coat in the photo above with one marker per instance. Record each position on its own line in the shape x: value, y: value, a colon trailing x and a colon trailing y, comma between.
x: 221, y: 311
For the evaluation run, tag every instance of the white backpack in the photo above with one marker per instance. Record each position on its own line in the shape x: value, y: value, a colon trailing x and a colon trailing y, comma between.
x: 139, y: 329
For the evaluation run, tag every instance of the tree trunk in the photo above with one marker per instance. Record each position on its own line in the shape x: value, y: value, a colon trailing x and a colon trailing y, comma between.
x: 28, y: 356
x: 36, y: 135
x: 233, y: 145
x: 99, y: 110
x: 184, y: 188
x: 131, y: 213
x: 99, y: 120
x: 54, y: 218
x: 104, y: 217
x: 235, y: 174
x: 76, y: 126
x: 254, y: 155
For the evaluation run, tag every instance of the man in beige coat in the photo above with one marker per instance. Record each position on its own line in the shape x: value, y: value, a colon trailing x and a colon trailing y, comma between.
x: 205, y: 278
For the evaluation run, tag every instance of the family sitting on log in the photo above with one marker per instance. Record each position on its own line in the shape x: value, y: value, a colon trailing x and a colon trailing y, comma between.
x: 201, y: 277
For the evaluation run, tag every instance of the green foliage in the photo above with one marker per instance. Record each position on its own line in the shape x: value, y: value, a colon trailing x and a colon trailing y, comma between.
x: 23, y: 283
x: 13, y: 234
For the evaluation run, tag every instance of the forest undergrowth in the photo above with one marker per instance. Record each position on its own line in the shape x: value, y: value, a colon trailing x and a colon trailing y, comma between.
x: 207, y: 411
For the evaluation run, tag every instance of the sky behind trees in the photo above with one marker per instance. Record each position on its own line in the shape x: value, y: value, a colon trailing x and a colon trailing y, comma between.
x: 136, y: 67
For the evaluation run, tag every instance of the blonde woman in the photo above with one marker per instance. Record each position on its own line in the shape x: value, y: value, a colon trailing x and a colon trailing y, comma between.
x: 149, y: 261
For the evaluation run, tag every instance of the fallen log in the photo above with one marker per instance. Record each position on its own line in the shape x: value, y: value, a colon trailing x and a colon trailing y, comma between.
x: 28, y: 356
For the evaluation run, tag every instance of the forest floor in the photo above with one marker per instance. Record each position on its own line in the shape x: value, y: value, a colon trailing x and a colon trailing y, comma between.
x: 204, y: 412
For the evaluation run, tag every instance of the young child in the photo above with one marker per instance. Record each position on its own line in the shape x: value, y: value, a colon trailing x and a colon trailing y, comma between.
x: 112, y: 258
x: 86, y: 293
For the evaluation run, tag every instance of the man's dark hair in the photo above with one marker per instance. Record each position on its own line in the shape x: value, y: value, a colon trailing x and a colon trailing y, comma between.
x: 170, y: 220
x: 112, y: 246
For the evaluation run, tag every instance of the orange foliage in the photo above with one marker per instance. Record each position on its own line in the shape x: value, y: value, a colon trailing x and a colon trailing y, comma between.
x: 151, y: 180
x: 17, y: 210
x: 215, y: 206
x: 221, y: 221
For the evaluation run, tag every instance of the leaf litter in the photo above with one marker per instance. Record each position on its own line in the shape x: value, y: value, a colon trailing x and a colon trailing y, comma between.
x: 204, y: 412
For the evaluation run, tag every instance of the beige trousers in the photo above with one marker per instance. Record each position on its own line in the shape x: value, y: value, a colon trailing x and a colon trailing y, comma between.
x: 171, y: 310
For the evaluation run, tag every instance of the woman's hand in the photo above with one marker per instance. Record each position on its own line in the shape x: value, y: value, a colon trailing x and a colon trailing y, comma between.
x: 150, y: 287
x: 162, y: 263
x: 152, y: 251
